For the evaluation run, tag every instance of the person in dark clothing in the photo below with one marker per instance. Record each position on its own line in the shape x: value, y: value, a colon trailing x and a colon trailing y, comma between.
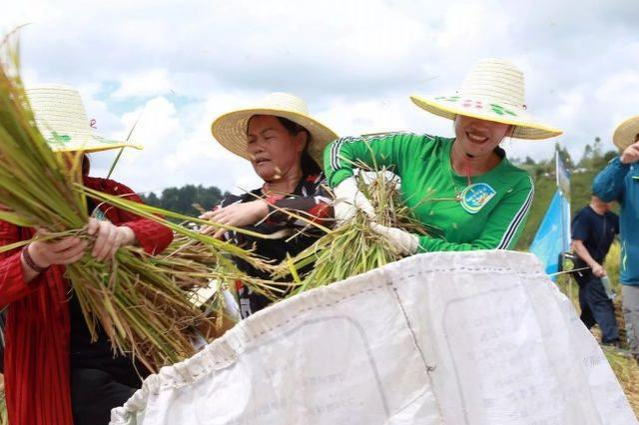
x: 285, y: 146
x: 593, y: 231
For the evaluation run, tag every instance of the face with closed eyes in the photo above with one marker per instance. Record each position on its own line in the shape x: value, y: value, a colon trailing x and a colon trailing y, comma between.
x: 478, y: 138
x: 273, y: 151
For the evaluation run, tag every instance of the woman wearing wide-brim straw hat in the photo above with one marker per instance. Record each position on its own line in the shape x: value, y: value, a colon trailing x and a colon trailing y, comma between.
x: 54, y: 372
x: 284, y: 144
x: 619, y: 181
x: 463, y: 188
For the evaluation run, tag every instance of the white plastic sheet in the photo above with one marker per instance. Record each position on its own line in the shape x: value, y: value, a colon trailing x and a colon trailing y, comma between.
x: 481, y: 338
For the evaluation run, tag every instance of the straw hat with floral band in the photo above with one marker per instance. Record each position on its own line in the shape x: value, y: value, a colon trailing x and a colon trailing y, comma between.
x: 230, y: 128
x: 493, y: 90
x: 469, y: 169
x: 62, y: 120
x: 626, y: 133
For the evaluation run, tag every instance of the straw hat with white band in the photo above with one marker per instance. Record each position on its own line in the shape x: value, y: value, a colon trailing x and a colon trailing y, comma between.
x: 62, y: 120
x: 626, y: 133
x: 493, y: 90
x: 230, y: 128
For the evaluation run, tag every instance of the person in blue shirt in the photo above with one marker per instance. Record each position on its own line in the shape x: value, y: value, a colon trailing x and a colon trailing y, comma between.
x: 620, y: 181
x: 593, y: 231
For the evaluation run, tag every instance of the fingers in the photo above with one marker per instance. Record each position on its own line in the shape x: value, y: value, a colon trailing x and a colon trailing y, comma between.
x: 207, y: 230
x: 66, y: 251
x: 105, y: 241
x: 219, y: 216
x: 64, y: 245
x: 119, y: 241
x: 110, y: 238
x: 220, y: 233
x: 71, y: 255
x: 207, y: 215
x: 630, y: 154
x: 93, y: 226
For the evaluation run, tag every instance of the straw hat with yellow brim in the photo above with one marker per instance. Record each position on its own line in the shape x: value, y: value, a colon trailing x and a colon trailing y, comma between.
x: 626, y: 133
x: 230, y: 128
x: 493, y: 90
x: 62, y: 120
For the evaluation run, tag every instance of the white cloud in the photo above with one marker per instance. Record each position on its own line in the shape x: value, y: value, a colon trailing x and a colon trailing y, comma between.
x: 151, y: 82
x: 355, y: 63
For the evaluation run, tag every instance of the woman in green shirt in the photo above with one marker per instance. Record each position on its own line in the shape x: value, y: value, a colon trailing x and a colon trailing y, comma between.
x: 463, y: 187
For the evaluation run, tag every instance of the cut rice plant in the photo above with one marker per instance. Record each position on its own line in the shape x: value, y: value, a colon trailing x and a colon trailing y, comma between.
x: 353, y: 247
x: 139, y: 300
x: 4, y: 415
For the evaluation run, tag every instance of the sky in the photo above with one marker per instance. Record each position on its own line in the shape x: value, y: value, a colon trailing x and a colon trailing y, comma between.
x: 173, y: 67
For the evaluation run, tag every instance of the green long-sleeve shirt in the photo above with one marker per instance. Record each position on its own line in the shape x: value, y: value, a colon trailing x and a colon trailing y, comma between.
x: 489, y: 214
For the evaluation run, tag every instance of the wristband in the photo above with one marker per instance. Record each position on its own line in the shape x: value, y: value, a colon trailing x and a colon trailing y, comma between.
x: 28, y: 260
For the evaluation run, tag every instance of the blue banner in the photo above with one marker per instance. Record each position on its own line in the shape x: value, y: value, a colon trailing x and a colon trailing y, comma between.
x: 553, y: 235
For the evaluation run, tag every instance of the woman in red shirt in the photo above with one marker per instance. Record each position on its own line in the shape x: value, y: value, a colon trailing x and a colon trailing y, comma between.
x: 54, y: 373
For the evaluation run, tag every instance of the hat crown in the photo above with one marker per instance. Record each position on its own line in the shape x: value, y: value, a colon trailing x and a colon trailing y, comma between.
x: 286, y: 102
x: 61, y: 118
x: 58, y: 109
x: 495, y: 80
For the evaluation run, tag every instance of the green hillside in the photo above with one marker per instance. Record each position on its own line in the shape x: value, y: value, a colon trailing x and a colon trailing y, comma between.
x: 545, y: 188
x: 582, y: 172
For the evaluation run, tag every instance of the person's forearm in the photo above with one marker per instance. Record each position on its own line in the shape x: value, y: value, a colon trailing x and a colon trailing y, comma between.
x: 583, y: 253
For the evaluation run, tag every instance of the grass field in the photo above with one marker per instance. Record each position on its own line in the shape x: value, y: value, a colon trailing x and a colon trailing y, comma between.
x: 622, y: 363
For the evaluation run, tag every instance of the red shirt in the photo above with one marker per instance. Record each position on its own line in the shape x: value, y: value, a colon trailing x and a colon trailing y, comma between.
x: 37, y: 331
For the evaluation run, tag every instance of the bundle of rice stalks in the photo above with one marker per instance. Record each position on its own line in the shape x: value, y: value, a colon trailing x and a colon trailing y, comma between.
x: 353, y: 247
x: 136, y: 298
x: 4, y: 416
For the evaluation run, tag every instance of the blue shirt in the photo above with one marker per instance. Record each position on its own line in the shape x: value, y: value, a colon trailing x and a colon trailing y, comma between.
x: 620, y: 182
x: 596, y: 232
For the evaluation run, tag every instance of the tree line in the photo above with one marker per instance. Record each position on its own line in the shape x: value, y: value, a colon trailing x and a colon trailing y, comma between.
x: 186, y: 199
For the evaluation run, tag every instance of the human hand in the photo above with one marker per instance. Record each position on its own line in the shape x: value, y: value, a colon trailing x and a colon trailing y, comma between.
x: 630, y: 155
x: 109, y: 238
x: 598, y: 270
x: 349, y: 199
x: 235, y: 215
x: 61, y: 252
x: 400, y: 240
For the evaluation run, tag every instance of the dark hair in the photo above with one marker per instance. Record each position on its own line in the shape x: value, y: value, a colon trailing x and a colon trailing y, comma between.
x: 307, y: 163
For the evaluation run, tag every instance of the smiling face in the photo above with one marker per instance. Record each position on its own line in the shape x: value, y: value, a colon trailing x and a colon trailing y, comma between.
x: 274, y: 152
x: 477, y: 138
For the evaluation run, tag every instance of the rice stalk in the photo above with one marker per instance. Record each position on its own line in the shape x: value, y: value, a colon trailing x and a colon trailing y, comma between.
x: 141, y: 301
x: 353, y: 247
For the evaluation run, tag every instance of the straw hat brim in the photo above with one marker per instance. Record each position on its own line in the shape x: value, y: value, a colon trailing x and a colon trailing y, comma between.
x: 526, y: 126
x: 626, y: 132
x: 89, y: 143
x: 230, y: 130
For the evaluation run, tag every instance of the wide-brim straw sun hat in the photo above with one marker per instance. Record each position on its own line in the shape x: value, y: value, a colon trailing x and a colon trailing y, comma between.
x: 62, y: 119
x: 493, y: 90
x: 626, y: 133
x: 230, y: 128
